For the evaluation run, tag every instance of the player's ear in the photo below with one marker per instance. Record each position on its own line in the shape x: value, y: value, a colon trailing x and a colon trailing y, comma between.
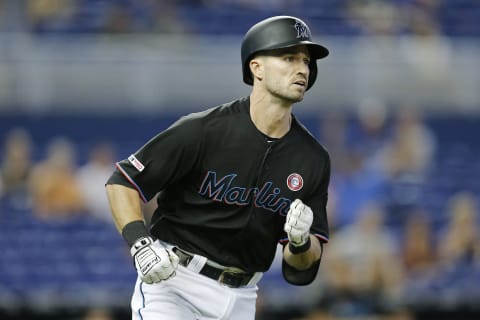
x: 257, y: 68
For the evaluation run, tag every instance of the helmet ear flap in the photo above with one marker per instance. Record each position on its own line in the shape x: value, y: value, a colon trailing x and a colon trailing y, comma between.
x: 313, y: 73
x: 247, y: 73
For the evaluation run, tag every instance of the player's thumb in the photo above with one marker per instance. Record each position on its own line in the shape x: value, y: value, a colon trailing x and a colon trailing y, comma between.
x: 173, y: 258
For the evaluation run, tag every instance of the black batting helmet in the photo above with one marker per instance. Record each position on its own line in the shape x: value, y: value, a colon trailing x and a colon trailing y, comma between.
x: 277, y: 33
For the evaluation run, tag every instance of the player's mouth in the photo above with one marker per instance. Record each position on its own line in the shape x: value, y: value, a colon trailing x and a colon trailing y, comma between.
x: 301, y: 83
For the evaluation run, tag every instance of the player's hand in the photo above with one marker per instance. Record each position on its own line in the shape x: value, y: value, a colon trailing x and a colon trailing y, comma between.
x: 153, y: 262
x: 298, y: 223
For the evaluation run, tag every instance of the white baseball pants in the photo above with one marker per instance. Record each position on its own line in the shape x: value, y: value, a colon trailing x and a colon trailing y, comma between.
x: 192, y: 296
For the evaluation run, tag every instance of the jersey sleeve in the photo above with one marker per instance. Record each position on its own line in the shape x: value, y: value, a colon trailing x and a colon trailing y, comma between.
x: 319, y: 228
x: 318, y: 203
x: 163, y: 160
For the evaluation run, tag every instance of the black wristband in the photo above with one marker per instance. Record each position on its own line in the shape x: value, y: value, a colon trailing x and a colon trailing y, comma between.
x: 300, y: 249
x: 134, y: 231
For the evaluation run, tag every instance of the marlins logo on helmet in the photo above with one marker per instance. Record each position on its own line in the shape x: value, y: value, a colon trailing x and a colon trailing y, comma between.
x: 302, y: 30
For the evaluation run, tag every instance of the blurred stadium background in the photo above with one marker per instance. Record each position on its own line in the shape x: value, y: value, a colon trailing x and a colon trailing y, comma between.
x: 83, y: 83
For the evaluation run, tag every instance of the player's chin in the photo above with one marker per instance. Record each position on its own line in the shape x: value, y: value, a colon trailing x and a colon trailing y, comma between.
x: 297, y: 94
x: 297, y: 97
x: 291, y: 96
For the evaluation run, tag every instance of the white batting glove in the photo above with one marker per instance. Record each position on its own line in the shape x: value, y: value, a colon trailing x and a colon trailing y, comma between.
x: 153, y: 262
x: 298, y: 223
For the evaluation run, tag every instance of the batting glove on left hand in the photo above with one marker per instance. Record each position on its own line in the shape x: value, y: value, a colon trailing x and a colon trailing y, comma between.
x: 153, y: 262
x: 298, y: 223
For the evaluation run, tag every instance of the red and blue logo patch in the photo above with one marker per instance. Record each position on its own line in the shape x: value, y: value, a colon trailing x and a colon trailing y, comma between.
x: 294, y: 182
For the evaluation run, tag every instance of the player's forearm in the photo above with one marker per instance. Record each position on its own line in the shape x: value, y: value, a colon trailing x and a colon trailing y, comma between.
x: 124, y: 204
x: 304, y: 260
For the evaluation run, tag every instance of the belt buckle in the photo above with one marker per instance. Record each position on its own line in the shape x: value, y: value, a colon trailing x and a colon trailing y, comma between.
x: 221, y: 277
x: 237, y: 276
x: 184, y: 258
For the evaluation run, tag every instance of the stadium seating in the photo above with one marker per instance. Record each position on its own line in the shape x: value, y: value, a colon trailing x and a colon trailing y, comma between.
x: 455, y: 18
x: 80, y: 260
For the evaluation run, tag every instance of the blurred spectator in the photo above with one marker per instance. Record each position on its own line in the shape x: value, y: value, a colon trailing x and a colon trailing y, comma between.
x: 412, y: 147
x: 53, y: 182
x: 421, y: 17
x: 354, y: 181
x: 333, y: 133
x: 92, y: 177
x: 374, y: 17
x: 363, y: 267
x: 253, y: 4
x: 431, y: 61
x: 460, y: 239
x: 118, y: 19
x: 16, y: 164
x: 406, y: 161
x: 454, y: 280
x: 322, y: 315
x: 363, y: 184
x: 419, y: 252
x: 425, y: 18
x: 50, y: 15
x: 98, y: 314
x: 166, y: 18
x: 371, y: 129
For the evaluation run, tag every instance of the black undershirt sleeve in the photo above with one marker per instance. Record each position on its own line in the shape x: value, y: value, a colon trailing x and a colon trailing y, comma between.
x: 300, y: 277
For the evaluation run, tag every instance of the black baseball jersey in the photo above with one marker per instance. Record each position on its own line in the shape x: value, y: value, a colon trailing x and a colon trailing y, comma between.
x: 225, y: 188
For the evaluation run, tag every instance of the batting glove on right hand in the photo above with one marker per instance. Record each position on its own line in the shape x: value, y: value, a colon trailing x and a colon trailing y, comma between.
x: 298, y: 223
x: 153, y: 262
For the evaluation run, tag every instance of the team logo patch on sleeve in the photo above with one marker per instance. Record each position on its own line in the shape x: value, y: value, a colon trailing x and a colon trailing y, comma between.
x: 294, y: 182
x: 137, y: 164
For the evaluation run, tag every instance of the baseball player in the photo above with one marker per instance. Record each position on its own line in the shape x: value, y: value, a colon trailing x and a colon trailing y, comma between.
x: 232, y: 182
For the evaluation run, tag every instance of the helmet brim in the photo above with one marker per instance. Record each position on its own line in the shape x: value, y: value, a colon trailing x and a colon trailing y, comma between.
x: 316, y: 51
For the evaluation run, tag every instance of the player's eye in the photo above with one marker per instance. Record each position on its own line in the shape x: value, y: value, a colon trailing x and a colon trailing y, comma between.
x: 289, y: 58
x: 306, y: 61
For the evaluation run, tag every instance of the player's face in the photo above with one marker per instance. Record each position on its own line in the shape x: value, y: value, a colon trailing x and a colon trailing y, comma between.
x: 286, y: 73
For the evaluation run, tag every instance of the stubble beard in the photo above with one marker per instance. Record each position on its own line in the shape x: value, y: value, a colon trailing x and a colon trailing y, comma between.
x: 286, y: 97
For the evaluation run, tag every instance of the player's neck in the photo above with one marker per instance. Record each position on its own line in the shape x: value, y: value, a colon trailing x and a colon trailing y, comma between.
x: 270, y: 118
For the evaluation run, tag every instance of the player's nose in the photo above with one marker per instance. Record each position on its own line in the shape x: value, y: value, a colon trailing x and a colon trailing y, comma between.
x: 303, y: 71
x: 303, y: 68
